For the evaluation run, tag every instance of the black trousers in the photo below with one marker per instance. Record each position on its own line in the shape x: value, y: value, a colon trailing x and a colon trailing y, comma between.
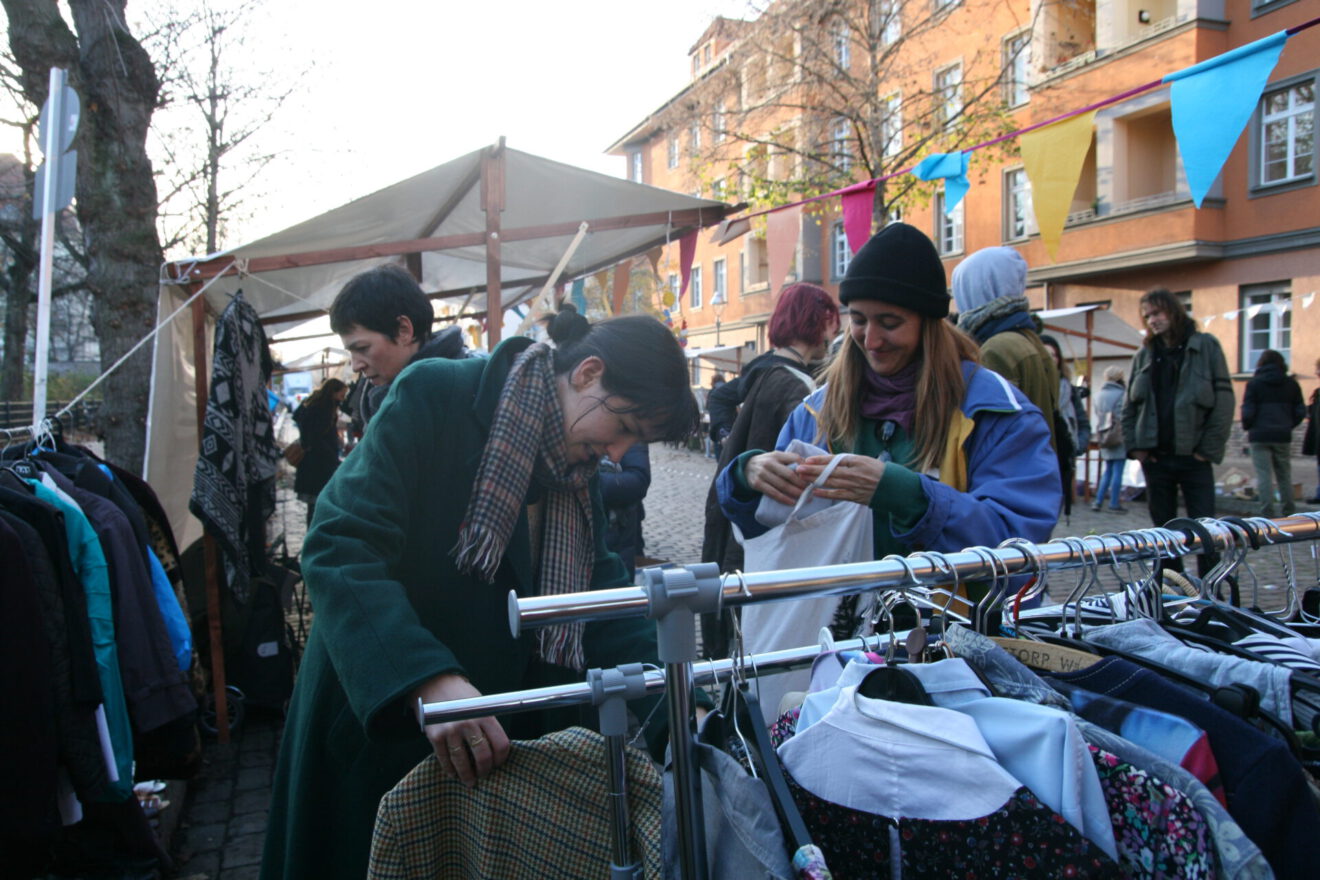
x: 1165, y: 475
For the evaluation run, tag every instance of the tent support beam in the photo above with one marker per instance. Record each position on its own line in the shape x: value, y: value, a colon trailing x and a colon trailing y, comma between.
x: 682, y: 222
x: 210, y: 552
x: 492, y: 203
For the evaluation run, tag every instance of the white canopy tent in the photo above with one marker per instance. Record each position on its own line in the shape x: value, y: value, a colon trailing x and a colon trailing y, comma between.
x: 1091, y: 333
x: 486, y: 230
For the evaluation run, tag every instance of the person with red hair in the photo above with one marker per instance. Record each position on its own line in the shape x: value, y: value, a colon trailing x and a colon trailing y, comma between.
x: 755, y: 406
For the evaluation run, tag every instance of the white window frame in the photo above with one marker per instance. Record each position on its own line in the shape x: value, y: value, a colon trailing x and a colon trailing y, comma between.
x: 840, y: 253
x: 1019, y: 216
x: 949, y: 230
x: 694, y: 288
x: 717, y: 123
x: 942, y: 6
x: 841, y: 143
x: 694, y: 137
x: 636, y: 168
x: 720, y: 282
x: 672, y: 151
x: 1295, y: 117
x: 891, y: 126
x: 1272, y: 325
x: 1016, y: 66
x: 892, y: 13
x: 676, y: 288
x: 842, y: 46
x: 948, y: 87
x: 718, y: 189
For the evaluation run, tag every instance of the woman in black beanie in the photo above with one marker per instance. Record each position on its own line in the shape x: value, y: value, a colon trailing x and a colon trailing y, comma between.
x: 947, y: 454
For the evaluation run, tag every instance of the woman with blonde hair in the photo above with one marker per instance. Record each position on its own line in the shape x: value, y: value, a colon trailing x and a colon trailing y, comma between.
x: 946, y: 453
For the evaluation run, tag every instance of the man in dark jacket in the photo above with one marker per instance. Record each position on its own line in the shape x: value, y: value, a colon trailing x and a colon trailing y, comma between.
x: 1178, y: 412
x: 384, y: 320
x: 1271, y: 408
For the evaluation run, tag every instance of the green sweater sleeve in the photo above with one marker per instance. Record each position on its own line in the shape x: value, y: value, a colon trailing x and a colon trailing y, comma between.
x: 899, y: 497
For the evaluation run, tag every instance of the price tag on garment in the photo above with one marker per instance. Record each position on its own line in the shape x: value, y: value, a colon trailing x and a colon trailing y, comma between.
x: 1041, y: 655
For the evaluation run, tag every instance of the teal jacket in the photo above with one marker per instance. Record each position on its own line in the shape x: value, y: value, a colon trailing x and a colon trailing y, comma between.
x: 1203, y: 402
x: 392, y: 611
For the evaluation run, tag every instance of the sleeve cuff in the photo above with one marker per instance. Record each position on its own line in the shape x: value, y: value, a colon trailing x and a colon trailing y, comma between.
x: 901, y: 496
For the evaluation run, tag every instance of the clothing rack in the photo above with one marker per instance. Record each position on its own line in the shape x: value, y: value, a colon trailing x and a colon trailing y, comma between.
x: 674, y: 596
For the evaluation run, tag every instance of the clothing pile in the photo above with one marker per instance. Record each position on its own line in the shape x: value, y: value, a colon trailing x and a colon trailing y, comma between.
x: 96, y: 663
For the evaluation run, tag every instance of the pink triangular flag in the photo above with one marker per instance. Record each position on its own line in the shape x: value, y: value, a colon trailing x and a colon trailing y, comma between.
x: 858, y: 208
x: 687, y: 249
x: 782, y: 229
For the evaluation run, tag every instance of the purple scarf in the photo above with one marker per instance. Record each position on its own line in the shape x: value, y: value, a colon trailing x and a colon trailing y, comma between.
x: 891, y: 398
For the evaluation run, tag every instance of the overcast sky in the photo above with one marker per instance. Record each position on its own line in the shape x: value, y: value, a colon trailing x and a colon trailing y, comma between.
x: 399, y: 86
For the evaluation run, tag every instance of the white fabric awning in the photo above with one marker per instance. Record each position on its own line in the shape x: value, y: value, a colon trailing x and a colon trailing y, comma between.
x: 1110, y: 336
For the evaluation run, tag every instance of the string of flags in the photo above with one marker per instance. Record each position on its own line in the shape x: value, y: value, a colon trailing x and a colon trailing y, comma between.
x: 1210, y: 103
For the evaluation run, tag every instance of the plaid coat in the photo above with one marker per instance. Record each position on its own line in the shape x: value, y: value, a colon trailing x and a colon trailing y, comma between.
x: 543, y: 814
x: 392, y: 611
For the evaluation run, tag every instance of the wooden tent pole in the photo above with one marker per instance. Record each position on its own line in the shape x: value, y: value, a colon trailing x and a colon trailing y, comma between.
x: 492, y: 202
x: 210, y: 552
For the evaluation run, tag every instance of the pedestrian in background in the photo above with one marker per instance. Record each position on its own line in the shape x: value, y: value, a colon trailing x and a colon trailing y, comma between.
x: 1109, y: 437
x: 1311, y: 442
x: 1178, y: 412
x: 623, y: 486
x: 317, y: 419
x: 1072, y: 415
x: 1271, y: 407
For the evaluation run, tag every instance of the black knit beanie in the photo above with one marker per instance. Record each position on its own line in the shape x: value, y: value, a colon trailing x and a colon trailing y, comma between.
x: 898, y: 265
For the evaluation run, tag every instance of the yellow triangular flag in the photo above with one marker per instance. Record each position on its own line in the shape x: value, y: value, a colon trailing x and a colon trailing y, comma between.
x: 1053, y: 158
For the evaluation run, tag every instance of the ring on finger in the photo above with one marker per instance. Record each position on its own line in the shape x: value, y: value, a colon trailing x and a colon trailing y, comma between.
x: 476, y: 741
x: 457, y: 748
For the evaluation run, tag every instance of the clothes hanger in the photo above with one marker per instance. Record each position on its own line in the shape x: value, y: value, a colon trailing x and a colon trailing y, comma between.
x: 891, y: 681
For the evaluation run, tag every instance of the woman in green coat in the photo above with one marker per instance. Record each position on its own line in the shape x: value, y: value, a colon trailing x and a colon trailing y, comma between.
x: 416, y: 543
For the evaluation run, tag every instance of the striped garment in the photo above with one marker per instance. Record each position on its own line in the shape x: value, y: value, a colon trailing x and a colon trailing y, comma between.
x: 544, y: 814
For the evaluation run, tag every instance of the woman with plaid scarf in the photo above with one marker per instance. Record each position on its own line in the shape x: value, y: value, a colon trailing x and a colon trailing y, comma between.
x: 475, y: 477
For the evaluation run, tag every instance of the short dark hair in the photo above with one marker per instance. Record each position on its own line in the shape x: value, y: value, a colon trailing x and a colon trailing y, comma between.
x: 803, y: 314
x: 1180, y: 323
x: 376, y: 298
x: 644, y: 364
x: 1270, y: 356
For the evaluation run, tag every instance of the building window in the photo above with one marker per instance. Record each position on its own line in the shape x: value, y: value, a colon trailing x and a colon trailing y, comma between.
x: 694, y: 137
x: 840, y: 253
x: 948, y: 227
x: 719, y: 276
x: 840, y: 146
x: 717, y: 123
x: 891, y: 127
x: 1017, y: 56
x: 672, y: 152
x: 635, y: 166
x: 944, y: 5
x: 842, y: 48
x: 1019, y: 219
x: 1266, y: 321
x: 694, y: 288
x: 742, y: 270
x: 718, y: 189
x: 1287, y: 134
x: 948, y: 91
x: 891, y: 21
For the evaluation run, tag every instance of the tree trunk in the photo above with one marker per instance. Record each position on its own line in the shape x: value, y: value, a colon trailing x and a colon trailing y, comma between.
x: 18, y: 294
x: 116, y: 191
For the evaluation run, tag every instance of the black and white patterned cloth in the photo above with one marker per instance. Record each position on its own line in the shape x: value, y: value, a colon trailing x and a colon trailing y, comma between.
x: 234, y: 483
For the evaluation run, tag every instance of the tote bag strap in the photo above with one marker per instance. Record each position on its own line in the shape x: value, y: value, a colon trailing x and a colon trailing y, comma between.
x: 817, y: 483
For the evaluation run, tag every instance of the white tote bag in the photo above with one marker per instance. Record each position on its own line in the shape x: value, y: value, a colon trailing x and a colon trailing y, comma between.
x: 838, y: 534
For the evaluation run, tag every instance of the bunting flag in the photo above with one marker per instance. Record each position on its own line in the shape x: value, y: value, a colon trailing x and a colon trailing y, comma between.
x: 1308, y: 299
x: 1052, y: 157
x: 622, y: 273
x: 953, y: 168
x: 653, y: 256
x: 782, y: 229
x: 1213, y: 101
x: 1253, y: 311
x: 858, y: 210
x: 728, y: 230
x: 1206, y: 323
x: 579, y: 295
x: 687, y: 250
x: 602, y: 283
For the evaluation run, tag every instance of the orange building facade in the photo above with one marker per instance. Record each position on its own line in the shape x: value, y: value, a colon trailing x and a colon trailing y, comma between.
x: 1247, y: 262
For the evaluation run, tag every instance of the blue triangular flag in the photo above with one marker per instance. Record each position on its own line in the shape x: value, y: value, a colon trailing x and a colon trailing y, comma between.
x: 579, y: 296
x: 953, y: 168
x: 1212, y: 103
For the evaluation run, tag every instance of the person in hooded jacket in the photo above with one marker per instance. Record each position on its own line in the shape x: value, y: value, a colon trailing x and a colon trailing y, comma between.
x: 989, y: 288
x: 1271, y: 408
x: 804, y: 321
x: 1109, y: 416
x: 384, y: 321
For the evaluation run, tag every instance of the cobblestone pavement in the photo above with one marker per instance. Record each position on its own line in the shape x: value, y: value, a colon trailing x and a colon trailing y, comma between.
x: 223, y: 823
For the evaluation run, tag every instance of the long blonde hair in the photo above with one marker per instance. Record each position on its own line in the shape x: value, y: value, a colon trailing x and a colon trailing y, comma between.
x: 940, y: 391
